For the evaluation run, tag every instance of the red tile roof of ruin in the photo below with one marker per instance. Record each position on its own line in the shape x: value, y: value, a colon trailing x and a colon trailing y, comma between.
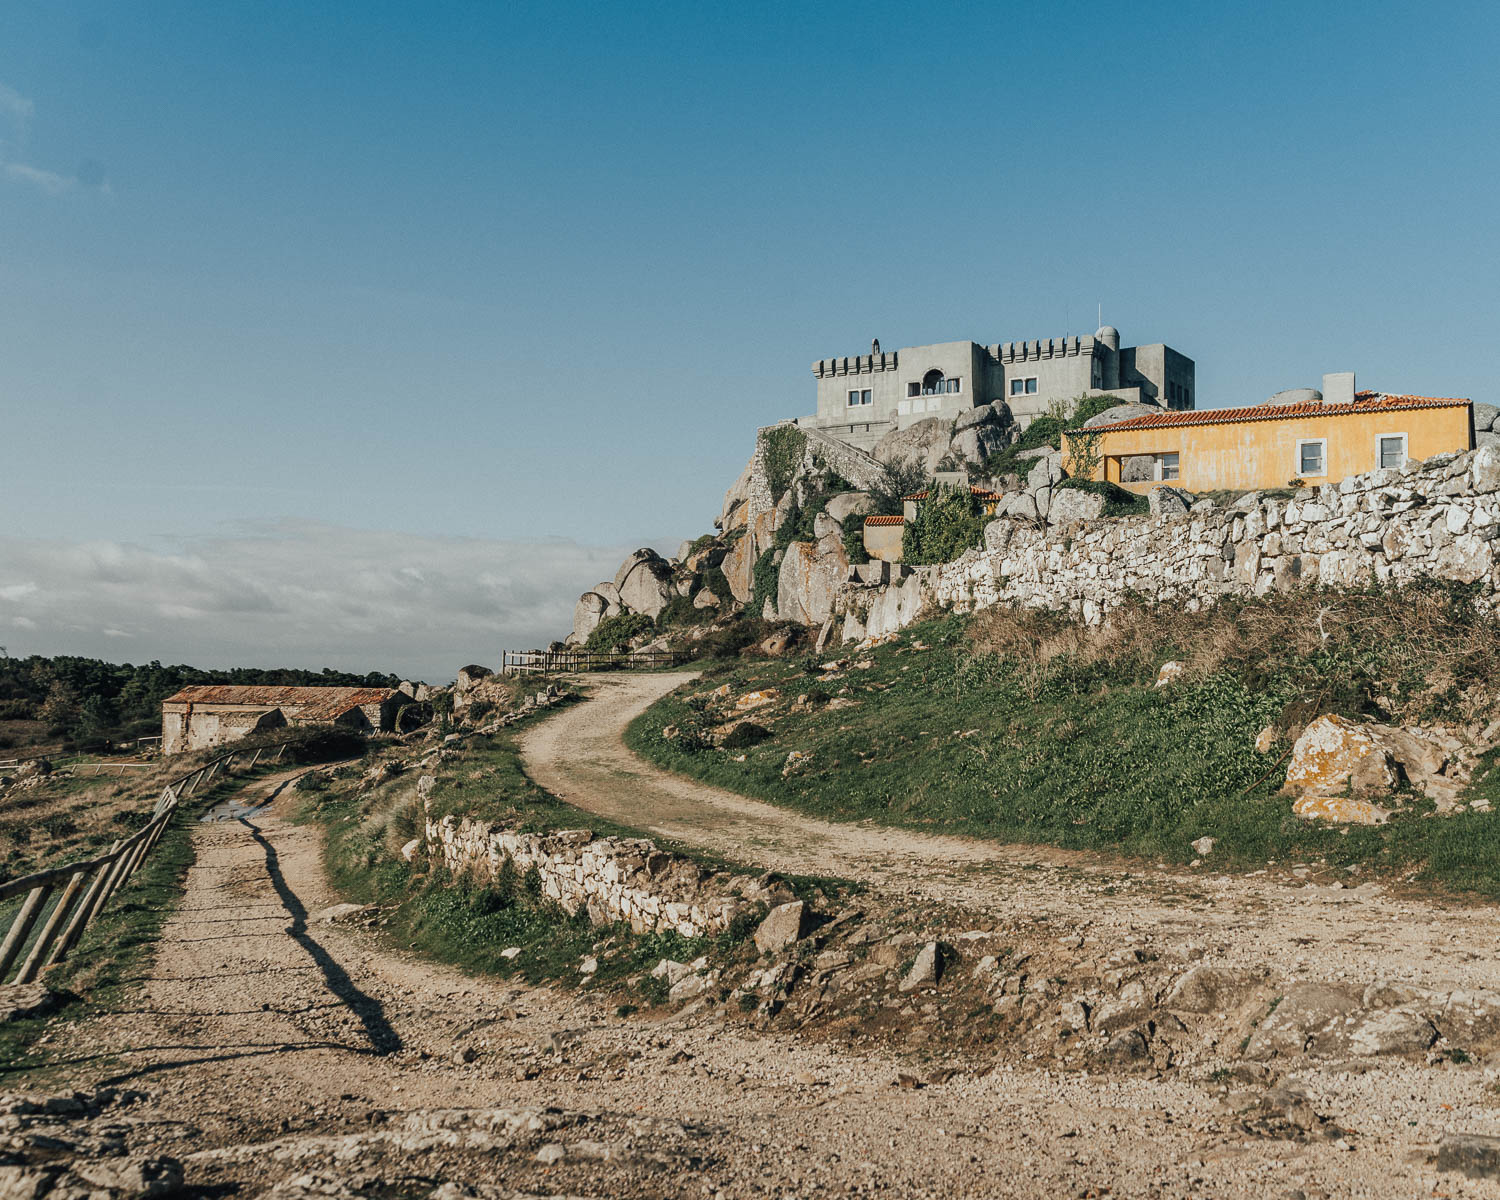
x: 885, y: 520
x: 1363, y: 402
x: 308, y: 701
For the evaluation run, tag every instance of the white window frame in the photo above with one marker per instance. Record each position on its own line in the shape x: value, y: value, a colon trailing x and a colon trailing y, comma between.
x: 1405, y: 446
x: 1159, y: 465
x: 1022, y: 381
x: 853, y: 398
x: 1297, y: 461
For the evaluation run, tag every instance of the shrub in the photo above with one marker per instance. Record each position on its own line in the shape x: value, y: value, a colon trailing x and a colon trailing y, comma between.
x: 897, y: 480
x: 782, y: 448
x: 732, y: 639
x: 767, y: 573
x: 717, y: 582
x: 679, y: 612
x: 615, y: 633
x: 1117, y: 501
x: 947, y: 523
x: 854, y: 541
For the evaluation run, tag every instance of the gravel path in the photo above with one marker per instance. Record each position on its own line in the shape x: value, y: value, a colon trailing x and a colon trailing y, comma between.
x: 279, y: 1051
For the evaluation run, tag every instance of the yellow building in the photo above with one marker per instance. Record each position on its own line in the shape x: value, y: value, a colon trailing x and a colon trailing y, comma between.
x: 1272, y: 445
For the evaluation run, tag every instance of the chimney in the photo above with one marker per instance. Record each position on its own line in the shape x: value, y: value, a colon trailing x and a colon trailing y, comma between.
x: 1338, y: 388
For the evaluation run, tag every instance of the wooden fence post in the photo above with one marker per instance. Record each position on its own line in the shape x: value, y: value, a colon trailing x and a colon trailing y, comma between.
x: 43, y: 942
x: 85, y: 912
x: 20, y: 928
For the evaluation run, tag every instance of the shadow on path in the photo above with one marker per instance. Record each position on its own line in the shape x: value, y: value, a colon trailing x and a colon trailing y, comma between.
x: 382, y: 1037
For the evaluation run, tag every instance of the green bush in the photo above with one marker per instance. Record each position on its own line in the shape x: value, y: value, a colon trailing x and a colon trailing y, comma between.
x: 767, y: 572
x: 782, y: 448
x: 615, y: 633
x: 854, y: 541
x: 947, y: 523
x: 1117, y: 501
x: 679, y: 611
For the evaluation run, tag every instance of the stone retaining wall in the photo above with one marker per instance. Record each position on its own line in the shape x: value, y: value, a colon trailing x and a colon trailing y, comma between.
x: 1439, y: 519
x: 615, y: 879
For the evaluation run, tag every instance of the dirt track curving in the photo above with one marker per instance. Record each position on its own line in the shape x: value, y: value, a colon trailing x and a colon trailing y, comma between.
x: 278, y: 1050
x: 1356, y: 930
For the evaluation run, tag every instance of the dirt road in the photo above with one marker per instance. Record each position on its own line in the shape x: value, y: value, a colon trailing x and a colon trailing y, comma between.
x: 1345, y: 930
x: 278, y: 1051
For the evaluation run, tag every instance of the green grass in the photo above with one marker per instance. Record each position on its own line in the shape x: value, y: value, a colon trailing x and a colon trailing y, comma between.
x: 469, y: 922
x: 1078, y: 754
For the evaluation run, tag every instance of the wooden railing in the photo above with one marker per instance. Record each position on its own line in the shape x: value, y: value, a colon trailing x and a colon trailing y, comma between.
x: 547, y: 662
x: 84, y: 888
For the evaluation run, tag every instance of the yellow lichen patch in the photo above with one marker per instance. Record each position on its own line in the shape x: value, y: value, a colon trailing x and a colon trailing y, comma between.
x: 757, y: 699
x: 1334, y: 753
x: 1344, y: 810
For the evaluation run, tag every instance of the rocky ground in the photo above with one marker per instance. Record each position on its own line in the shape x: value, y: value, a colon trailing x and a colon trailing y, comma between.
x: 274, y: 1051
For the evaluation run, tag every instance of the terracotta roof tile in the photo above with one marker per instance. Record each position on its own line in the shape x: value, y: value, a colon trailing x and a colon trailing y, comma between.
x: 885, y: 520
x: 1363, y: 402
x: 309, y: 702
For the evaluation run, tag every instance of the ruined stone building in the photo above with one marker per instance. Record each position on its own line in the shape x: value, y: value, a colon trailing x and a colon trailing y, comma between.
x: 863, y: 397
x: 210, y: 714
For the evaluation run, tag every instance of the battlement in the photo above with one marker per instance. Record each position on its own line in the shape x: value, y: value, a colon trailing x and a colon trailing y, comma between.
x: 1042, y: 348
x: 857, y: 364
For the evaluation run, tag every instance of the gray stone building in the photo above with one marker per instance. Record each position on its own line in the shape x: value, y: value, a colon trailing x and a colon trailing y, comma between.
x: 865, y: 396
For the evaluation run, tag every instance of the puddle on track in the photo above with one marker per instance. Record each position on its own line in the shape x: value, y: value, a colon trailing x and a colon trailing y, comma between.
x: 243, y: 804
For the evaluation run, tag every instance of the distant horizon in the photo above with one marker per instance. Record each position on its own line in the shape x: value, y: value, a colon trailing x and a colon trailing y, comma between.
x: 379, y: 335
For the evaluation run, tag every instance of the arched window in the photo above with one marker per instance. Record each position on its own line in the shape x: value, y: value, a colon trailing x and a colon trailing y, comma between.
x: 933, y: 383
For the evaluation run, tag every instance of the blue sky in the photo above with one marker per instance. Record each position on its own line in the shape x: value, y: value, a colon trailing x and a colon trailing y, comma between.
x: 281, y: 281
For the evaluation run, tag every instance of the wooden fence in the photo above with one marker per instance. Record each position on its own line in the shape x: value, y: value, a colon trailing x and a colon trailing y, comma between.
x: 82, y: 889
x: 547, y: 662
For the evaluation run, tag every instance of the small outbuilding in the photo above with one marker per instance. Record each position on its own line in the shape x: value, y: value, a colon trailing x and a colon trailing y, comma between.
x: 211, y: 714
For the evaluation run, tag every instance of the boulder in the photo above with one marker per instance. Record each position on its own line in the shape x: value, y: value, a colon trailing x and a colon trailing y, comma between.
x: 587, y: 614
x: 1021, y: 506
x: 1074, y: 504
x: 645, y: 583
x: 1047, y: 471
x: 705, y: 599
x: 1206, y: 989
x: 1485, y: 417
x: 1121, y: 412
x: 825, y: 526
x: 1338, y: 765
x: 1138, y: 468
x: 739, y: 568
x: 737, y: 500
x: 1310, y: 1017
x: 848, y: 504
x: 1391, y: 1031
x: 976, y: 443
x: 1484, y: 470
x: 1169, y: 501
x: 997, y: 413
x: 926, y: 970
x: 926, y: 441
x: 468, y: 679
x: 1476, y: 1155
x: 784, y: 924
x: 809, y: 580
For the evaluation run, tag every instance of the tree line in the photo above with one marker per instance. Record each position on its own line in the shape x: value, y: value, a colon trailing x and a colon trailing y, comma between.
x: 87, y: 702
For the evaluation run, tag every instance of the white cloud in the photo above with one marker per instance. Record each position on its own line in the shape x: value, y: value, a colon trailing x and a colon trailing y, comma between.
x: 299, y: 594
x: 17, y: 107
x: 48, y: 181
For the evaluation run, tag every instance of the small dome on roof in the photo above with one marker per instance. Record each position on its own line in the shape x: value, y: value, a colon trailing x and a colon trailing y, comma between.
x: 1109, y: 335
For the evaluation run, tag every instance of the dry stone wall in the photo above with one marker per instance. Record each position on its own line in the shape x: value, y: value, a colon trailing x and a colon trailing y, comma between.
x: 1439, y: 519
x: 615, y: 879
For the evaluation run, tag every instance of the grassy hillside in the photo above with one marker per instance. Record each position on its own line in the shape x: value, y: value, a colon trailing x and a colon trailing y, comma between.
x: 1025, y: 727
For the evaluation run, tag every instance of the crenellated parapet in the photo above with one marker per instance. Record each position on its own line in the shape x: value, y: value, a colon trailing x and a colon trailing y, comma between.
x: 855, y: 364
x: 1042, y: 348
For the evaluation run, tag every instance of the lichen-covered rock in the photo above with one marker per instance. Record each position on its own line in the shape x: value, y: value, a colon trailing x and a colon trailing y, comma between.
x: 1169, y: 501
x: 924, y: 441
x: 587, y: 614
x: 1121, y: 412
x: 645, y: 583
x: 739, y: 568
x: 848, y: 504
x: 1338, y: 766
x: 810, y: 578
x: 1069, y: 505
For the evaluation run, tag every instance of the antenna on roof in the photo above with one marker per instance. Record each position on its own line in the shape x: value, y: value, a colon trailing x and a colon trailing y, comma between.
x: 1100, y: 325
